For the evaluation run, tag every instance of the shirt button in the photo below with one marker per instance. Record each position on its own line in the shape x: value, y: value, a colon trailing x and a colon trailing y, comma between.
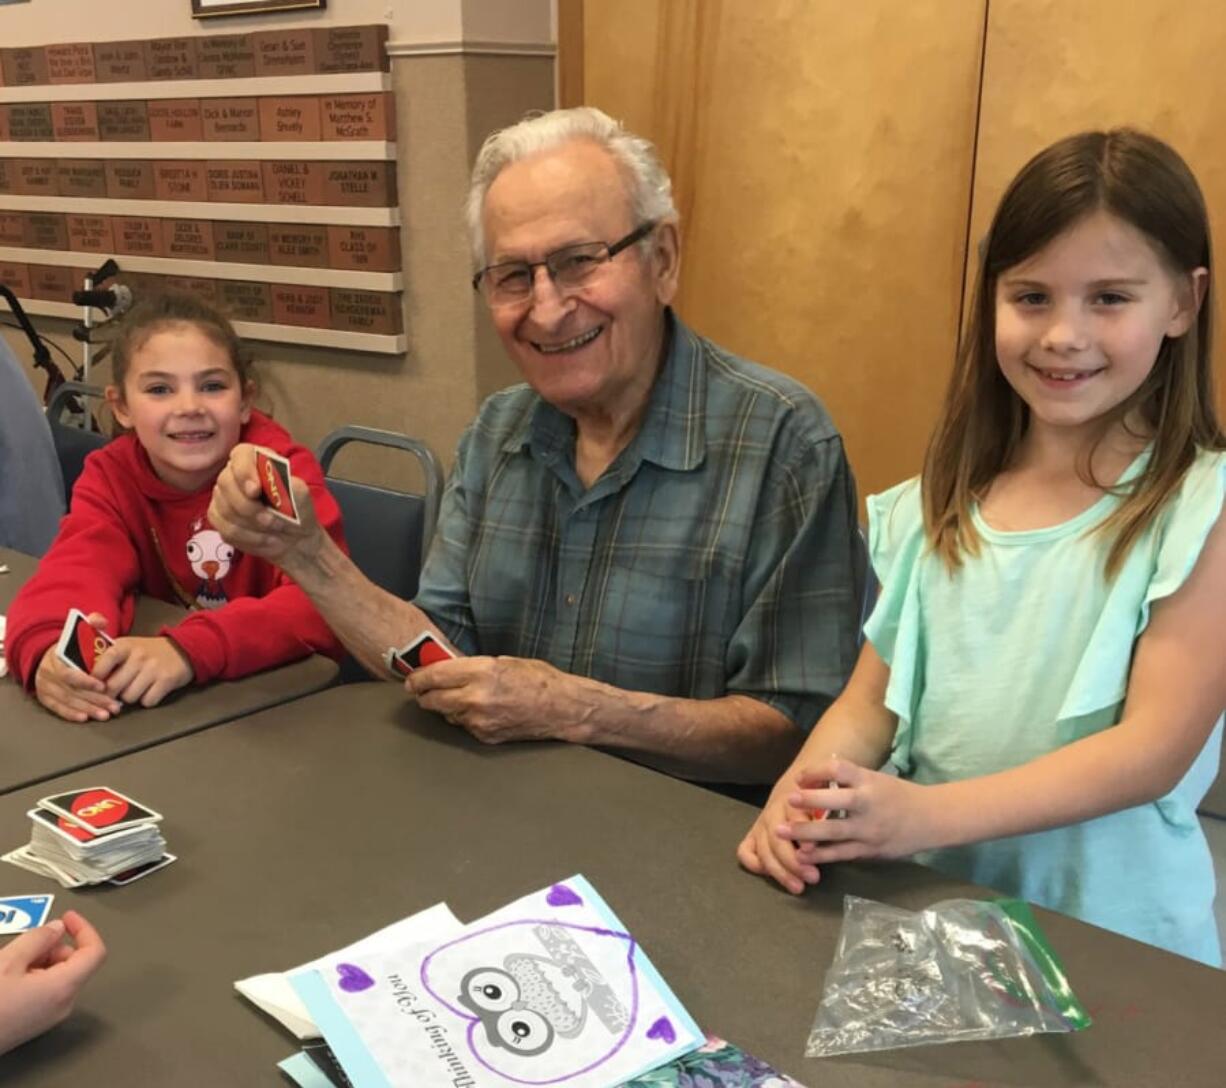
x: 570, y: 599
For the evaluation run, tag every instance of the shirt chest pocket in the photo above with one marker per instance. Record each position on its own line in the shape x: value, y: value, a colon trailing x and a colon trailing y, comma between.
x: 670, y: 616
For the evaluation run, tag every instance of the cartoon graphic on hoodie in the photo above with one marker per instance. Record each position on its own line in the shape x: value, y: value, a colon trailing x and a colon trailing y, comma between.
x: 210, y: 557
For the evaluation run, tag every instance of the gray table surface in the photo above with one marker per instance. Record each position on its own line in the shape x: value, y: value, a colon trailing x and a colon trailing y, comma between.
x: 308, y: 826
x: 36, y: 745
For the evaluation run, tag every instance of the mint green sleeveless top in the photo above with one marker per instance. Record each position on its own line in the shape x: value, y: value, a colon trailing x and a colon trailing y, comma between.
x: 1025, y: 648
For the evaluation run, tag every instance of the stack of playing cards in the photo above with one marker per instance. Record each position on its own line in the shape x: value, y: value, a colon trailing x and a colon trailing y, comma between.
x: 92, y: 836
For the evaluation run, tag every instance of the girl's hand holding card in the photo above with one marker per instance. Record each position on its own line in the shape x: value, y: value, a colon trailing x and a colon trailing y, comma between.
x: 61, y: 683
x: 143, y: 670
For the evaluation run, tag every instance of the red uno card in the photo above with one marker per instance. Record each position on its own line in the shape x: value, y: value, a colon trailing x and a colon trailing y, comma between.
x: 81, y: 642
x: 99, y: 809
x: 76, y: 833
x: 275, y: 487
x: 424, y: 650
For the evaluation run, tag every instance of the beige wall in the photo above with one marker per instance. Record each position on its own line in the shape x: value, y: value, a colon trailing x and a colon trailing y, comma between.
x: 447, y: 103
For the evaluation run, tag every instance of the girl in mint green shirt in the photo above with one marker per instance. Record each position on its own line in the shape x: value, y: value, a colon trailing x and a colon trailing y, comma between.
x: 1046, y: 664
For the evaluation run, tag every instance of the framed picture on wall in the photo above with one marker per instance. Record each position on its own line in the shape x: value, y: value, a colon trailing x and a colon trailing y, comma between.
x: 203, y: 9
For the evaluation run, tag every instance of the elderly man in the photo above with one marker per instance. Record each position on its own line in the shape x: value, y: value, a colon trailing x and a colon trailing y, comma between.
x: 651, y: 545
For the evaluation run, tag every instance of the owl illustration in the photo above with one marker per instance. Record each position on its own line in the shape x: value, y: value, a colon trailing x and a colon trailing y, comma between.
x: 545, y: 1002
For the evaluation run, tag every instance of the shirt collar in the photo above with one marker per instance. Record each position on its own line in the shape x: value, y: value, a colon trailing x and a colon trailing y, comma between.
x: 673, y: 432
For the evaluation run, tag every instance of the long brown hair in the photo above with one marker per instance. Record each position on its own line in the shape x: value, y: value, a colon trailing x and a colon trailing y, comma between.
x: 1145, y: 183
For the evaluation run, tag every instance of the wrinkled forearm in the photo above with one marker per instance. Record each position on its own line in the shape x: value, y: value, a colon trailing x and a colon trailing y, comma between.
x: 366, y: 618
x: 735, y: 738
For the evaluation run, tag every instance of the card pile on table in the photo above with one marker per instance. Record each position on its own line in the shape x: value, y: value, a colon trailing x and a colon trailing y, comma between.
x: 92, y: 836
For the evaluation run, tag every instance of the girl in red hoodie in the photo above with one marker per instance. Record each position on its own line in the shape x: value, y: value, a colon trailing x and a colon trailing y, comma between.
x: 137, y: 524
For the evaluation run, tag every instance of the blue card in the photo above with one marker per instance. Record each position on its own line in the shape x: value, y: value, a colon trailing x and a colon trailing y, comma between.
x: 22, y: 912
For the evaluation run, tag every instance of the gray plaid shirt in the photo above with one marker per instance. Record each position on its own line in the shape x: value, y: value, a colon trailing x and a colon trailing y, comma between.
x: 716, y: 555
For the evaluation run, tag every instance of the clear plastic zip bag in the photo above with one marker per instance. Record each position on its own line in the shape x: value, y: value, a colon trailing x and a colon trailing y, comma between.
x: 961, y: 970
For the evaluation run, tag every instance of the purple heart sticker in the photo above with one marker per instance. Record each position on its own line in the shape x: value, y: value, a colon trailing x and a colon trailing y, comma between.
x: 662, y: 1029
x: 353, y: 980
x: 561, y: 896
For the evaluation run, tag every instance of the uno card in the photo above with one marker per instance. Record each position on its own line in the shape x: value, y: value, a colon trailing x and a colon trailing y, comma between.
x: 424, y: 650
x: 131, y: 875
x: 75, y: 834
x: 825, y: 813
x: 81, y: 642
x: 99, y: 809
x: 275, y: 487
x: 21, y: 912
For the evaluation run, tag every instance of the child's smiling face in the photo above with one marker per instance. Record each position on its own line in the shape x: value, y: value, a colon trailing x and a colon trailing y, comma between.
x: 184, y: 399
x: 1079, y: 324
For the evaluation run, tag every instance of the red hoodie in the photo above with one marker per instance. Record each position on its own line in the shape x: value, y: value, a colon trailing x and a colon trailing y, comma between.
x: 128, y: 533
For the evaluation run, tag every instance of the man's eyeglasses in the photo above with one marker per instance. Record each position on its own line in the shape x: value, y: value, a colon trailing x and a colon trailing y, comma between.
x: 570, y: 267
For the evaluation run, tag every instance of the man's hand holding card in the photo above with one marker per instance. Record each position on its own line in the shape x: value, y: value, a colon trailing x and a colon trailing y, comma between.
x: 261, y: 508
x: 500, y: 699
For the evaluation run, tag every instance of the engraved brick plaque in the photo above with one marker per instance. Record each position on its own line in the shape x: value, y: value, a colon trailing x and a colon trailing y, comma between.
x: 30, y: 121
x: 5, y: 135
x: 189, y: 239
x: 24, y: 67
x: 180, y: 181
x: 300, y: 306
x: 45, y: 230
x: 35, y: 177
x: 74, y: 120
x: 81, y: 177
x: 299, y: 244
x: 52, y: 283
x: 90, y: 233
x: 129, y: 180
x: 284, y: 53
x: 175, y: 119
x: 120, y: 62
x: 293, y: 182
x: 243, y: 301
x: 16, y: 277
x: 294, y: 118
x: 8, y: 177
x: 357, y: 117
x: 235, y: 182
x: 363, y: 185
x: 73, y: 63
x: 12, y: 229
x: 123, y: 120
x: 138, y: 236
x: 245, y: 243
x: 365, y: 311
x: 364, y: 249
x: 171, y: 58
x: 206, y: 289
x: 351, y: 49
x: 225, y: 56
x: 230, y: 118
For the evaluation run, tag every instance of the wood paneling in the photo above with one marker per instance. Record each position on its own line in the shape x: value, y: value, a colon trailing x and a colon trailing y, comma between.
x: 1053, y: 68
x: 821, y: 155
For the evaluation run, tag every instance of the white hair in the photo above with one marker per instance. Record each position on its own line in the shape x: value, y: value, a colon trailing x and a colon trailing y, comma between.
x: 648, y: 184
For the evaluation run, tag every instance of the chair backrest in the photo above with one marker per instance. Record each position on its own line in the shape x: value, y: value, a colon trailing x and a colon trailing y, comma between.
x: 73, y: 443
x: 388, y: 531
